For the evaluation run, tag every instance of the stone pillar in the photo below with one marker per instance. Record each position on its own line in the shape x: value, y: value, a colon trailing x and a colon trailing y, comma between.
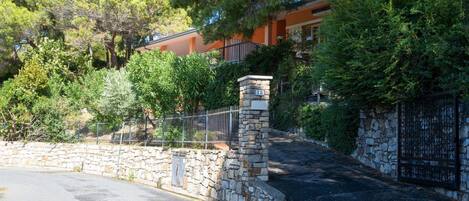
x: 254, y: 127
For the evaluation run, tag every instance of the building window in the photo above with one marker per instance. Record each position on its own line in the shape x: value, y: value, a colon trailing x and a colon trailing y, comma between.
x: 306, y: 36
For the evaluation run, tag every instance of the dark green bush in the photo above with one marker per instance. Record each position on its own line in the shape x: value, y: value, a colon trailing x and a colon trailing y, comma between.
x: 378, y: 52
x: 224, y: 88
x: 310, y: 117
x: 337, y: 123
x: 340, y: 123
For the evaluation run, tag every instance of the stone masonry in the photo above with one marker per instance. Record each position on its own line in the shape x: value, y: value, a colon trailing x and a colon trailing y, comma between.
x: 147, y: 165
x: 233, y: 175
x: 254, y: 126
x: 377, y: 146
x: 245, y: 170
x: 377, y: 141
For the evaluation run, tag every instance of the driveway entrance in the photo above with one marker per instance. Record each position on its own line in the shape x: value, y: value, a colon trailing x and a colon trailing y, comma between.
x: 308, y: 172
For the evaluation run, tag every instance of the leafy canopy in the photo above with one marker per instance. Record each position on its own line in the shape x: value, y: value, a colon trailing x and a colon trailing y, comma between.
x: 151, y: 75
x: 381, y: 51
x: 225, y: 18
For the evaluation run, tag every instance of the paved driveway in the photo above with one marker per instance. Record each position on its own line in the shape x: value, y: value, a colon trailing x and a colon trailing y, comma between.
x: 308, y: 172
x: 34, y: 185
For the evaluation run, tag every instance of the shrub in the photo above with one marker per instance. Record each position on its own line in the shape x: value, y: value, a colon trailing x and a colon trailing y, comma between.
x: 50, y: 124
x: 151, y: 75
x: 170, y: 134
x: 339, y: 122
x: 117, y: 102
x: 86, y: 90
x: 310, y: 117
x: 224, y: 88
x: 379, y: 52
x: 192, y: 75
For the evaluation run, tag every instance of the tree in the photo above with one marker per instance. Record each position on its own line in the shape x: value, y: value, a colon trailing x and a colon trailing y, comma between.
x: 225, y: 18
x: 379, y: 52
x: 151, y: 74
x: 117, y: 100
x: 192, y: 75
x: 111, y: 21
x: 32, y: 104
x: 17, y: 25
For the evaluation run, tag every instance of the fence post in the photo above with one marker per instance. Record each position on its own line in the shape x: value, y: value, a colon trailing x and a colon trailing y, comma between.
x: 130, y: 131
x: 206, y: 129
x: 97, y: 133
x: 119, y: 153
x: 162, y: 133
x: 230, y: 125
x: 146, y: 132
x: 183, y: 131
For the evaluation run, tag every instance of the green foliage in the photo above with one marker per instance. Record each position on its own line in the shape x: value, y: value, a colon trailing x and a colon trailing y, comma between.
x: 225, y: 18
x: 85, y: 91
x: 151, y: 74
x: 32, y: 104
x: 50, y: 123
x: 116, y: 24
x: 223, y: 90
x: 310, y: 117
x: 336, y: 123
x: 292, y: 83
x: 117, y: 102
x: 340, y: 123
x: 170, y: 134
x: 192, y: 74
x: 379, y: 52
x: 267, y: 59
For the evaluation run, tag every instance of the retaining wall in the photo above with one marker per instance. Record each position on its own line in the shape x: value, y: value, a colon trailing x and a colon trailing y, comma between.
x: 377, y: 146
x: 147, y: 165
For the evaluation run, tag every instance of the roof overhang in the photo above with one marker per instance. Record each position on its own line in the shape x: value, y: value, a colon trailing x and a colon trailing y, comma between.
x: 182, y: 36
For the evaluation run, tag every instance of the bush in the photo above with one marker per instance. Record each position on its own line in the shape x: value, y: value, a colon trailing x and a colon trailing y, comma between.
x: 379, y: 52
x: 340, y: 123
x: 337, y: 123
x: 191, y: 76
x: 151, y: 75
x: 170, y: 135
x: 310, y: 119
x: 117, y: 101
x: 50, y: 124
x: 224, y: 88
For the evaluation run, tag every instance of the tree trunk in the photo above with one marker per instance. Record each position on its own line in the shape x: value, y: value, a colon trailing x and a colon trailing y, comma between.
x: 32, y: 44
x: 128, y: 47
x: 111, y: 47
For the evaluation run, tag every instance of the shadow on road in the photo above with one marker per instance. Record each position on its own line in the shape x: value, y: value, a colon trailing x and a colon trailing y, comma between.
x: 305, y: 171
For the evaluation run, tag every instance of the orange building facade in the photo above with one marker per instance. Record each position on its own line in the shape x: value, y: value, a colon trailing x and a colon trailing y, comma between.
x: 300, y: 25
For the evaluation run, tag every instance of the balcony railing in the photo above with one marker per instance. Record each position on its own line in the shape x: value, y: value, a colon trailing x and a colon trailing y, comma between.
x: 237, y: 52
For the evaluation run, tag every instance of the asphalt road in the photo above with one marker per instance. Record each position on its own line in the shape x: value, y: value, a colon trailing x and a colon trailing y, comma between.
x: 308, y: 172
x: 46, y: 185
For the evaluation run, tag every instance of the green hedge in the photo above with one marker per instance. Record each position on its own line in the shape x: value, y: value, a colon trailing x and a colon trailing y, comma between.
x: 311, y: 117
x: 337, y: 122
x: 379, y: 52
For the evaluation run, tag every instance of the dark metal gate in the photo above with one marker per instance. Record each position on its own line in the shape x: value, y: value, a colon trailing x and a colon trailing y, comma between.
x: 428, y: 141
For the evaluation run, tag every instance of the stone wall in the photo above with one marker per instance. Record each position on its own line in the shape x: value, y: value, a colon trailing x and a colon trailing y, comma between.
x: 377, y: 141
x: 147, y: 165
x: 234, y: 175
x: 234, y: 188
x: 377, y: 146
x: 245, y: 170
